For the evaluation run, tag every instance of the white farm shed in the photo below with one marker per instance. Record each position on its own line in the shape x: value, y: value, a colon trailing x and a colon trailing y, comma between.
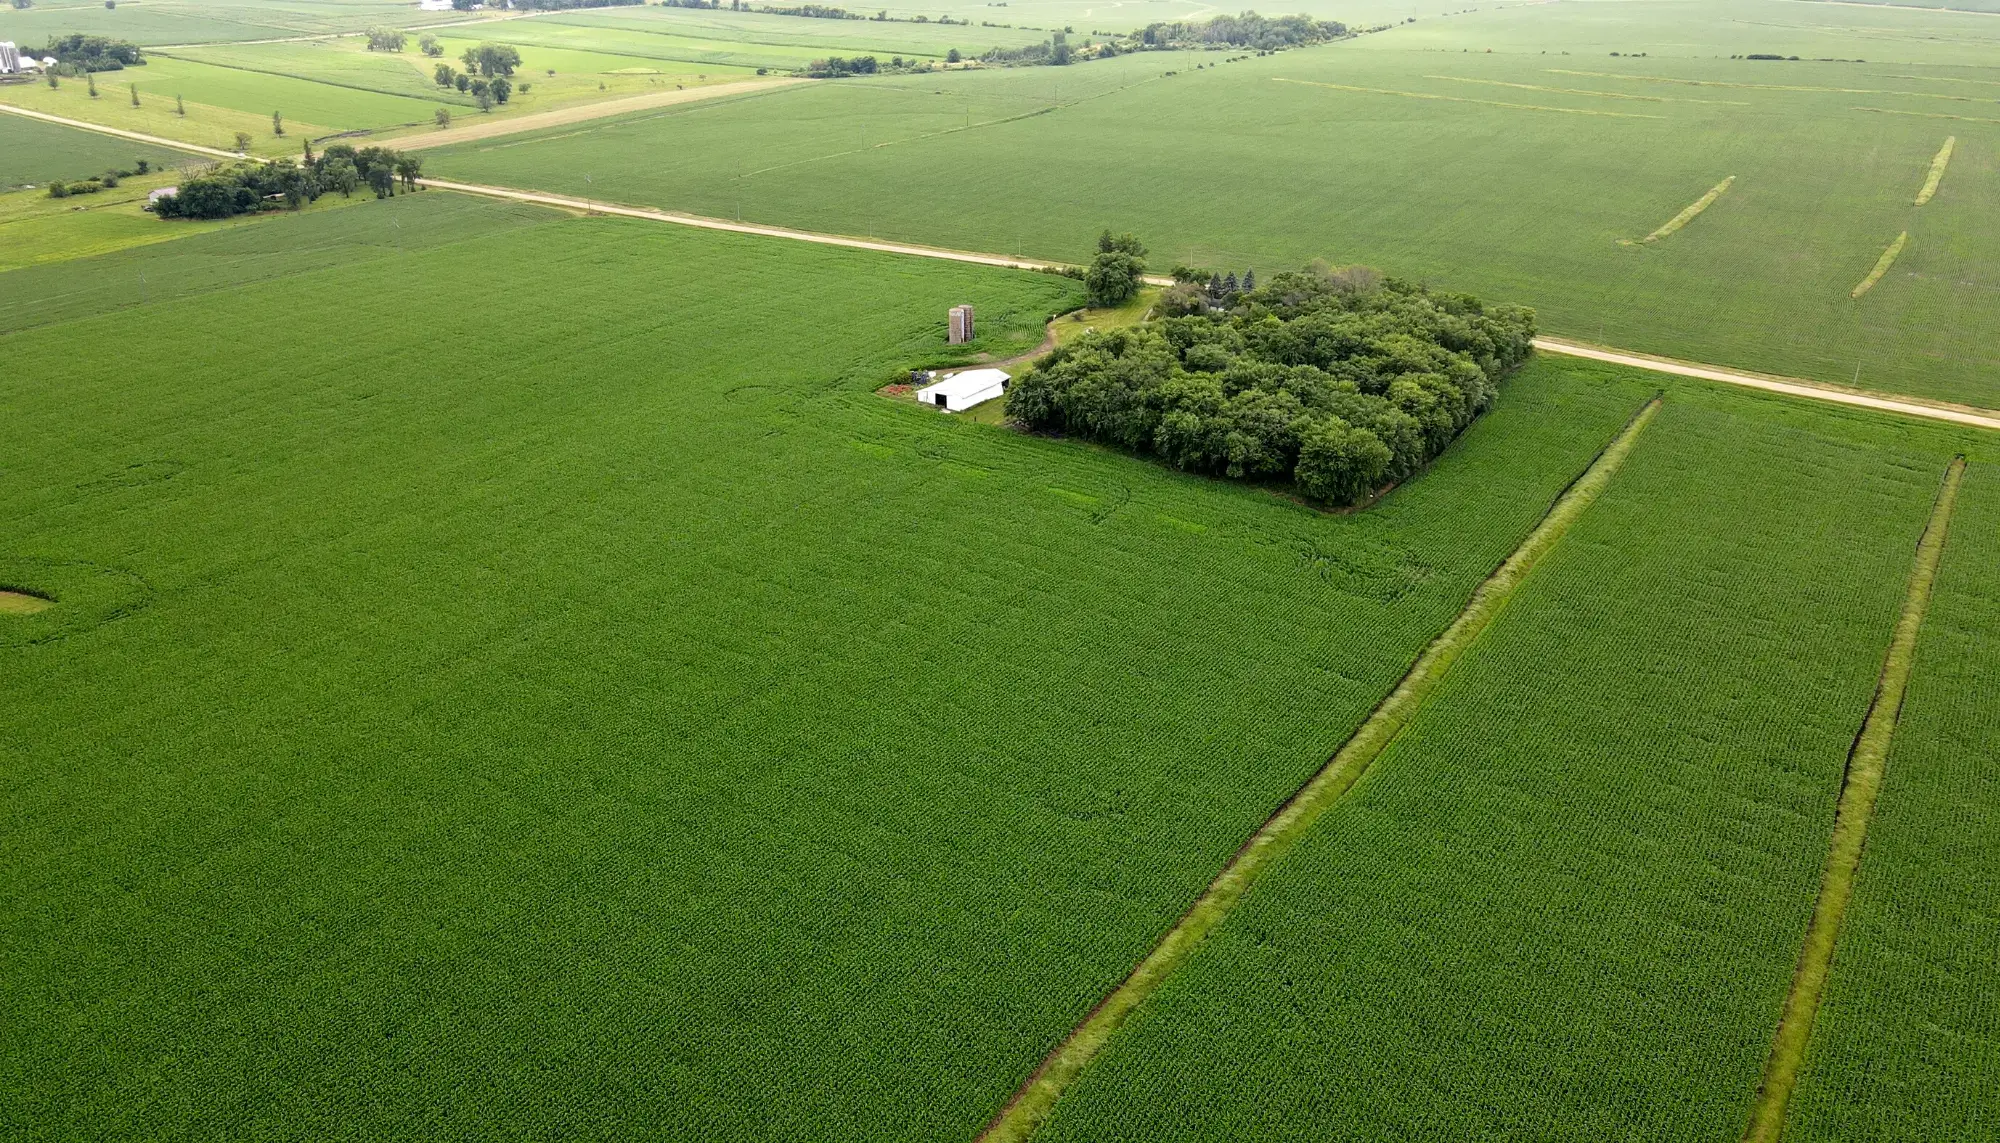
x: 961, y: 391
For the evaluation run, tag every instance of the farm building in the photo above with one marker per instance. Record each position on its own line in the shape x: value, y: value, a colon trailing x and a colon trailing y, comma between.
x: 10, y: 58
x: 155, y: 195
x: 961, y: 391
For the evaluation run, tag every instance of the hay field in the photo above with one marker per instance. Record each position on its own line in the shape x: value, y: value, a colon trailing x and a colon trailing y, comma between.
x: 1229, y: 167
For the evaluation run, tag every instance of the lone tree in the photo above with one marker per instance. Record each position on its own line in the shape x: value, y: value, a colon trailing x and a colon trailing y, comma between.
x: 91, y: 79
x: 135, y: 94
x: 1118, y: 270
x: 243, y: 142
x: 180, y: 108
x: 277, y: 124
x: 428, y: 44
x: 443, y: 117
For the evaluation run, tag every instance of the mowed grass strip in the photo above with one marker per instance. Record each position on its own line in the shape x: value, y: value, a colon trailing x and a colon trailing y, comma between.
x: 1863, y: 783
x: 1906, y: 1043
x: 1464, y: 99
x: 1565, y: 903
x: 1935, y: 177
x: 1925, y: 114
x: 1882, y: 265
x: 1689, y: 213
x: 1032, y: 1104
x: 1771, y: 86
x: 606, y: 716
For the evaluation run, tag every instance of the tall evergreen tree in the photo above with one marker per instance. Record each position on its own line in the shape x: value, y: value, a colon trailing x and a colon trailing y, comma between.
x: 1249, y: 280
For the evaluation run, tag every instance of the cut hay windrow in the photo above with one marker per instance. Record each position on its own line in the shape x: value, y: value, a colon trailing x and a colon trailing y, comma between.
x: 1882, y: 264
x: 1865, y: 765
x: 1925, y: 114
x: 1688, y: 215
x: 1587, y: 91
x: 1769, y: 86
x: 1031, y: 1105
x: 1938, y: 166
x: 1462, y: 99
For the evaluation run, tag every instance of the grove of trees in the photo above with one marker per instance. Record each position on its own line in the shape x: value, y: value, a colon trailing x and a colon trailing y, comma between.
x: 1339, y: 382
x: 244, y: 188
x: 80, y: 53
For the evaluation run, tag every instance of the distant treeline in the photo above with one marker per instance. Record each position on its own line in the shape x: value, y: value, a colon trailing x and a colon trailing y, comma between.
x: 1249, y: 30
x: 244, y: 188
x: 1338, y: 381
x: 80, y: 53
x: 549, y: 5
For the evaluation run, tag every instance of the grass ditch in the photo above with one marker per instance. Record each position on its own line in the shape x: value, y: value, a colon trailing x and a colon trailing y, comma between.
x: 1686, y: 216
x: 1032, y: 1103
x: 1859, y: 788
x: 1938, y: 166
x: 1882, y: 265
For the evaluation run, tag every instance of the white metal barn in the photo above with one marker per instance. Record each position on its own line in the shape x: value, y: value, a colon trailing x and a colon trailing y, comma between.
x: 961, y: 391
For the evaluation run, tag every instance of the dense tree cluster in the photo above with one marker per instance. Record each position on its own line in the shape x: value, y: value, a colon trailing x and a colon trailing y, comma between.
x: 243, y: 188
x: 1118, y: 270
x: 1249, y: 30
x: 387, y: 40
x: 1340, y: 382
x: 834, y: 67
x: 80, y: 53
x: 492, y: 59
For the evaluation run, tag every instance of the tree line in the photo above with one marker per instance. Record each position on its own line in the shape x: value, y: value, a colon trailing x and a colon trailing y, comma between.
x: 1249, y: 30
x: 77, y: 54
x: 1339, y: 382
x: 245, y: 188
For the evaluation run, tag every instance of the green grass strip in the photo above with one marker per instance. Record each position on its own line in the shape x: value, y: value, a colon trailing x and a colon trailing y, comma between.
x: 1850, y: 828
x: 1686, y: 216
x: 1463, y: 99
x: 1938, y: 166
x: 1882, y: 264
x: 1925, y: 114
x: 1036, y: 1098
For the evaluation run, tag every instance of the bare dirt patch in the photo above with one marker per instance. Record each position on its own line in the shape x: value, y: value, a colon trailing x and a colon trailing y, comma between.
x: 22, y: 603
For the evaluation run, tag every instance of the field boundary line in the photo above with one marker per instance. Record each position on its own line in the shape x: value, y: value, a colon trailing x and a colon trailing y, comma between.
x: 1938, y: 166
x: 1788, y: 386
x: 1036, y: 1098
x: 1465, y: 99
x: 478, y: 131
x: 1860, y: 785
x: 135, y: 136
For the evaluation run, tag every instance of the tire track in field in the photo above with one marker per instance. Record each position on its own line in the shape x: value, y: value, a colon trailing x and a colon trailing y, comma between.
x: 1866, y: 760
x: 1032, y: 1102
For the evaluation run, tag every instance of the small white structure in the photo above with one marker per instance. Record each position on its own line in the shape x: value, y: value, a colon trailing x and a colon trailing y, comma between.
x: 10, y: 58
x: 155, y: 195
x: 961, y: 391
x: 434, y: 5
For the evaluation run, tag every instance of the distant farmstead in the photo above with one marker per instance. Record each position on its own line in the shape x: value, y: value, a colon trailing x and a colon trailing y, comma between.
x: 961, y: 391
x: 434, y: 5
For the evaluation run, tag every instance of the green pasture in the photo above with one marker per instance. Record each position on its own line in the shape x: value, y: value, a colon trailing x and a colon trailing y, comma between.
x: 1907, y: 1043
x: 86, y: 270
x: 1512, y: 174
x: 845, y: 37
x: 342, y: 63
x: 1567, y: 901
x: 139, y: 21
x: 35, y: 152
x: 430, y: 731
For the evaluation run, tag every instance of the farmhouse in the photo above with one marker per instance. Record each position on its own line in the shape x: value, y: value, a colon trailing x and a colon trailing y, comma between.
x: 961, y: 391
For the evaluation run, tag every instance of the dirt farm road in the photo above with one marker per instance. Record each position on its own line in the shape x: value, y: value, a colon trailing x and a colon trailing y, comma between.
x: 1786, y: 386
